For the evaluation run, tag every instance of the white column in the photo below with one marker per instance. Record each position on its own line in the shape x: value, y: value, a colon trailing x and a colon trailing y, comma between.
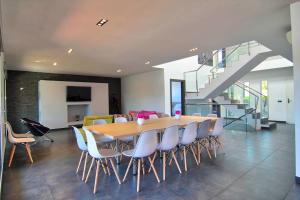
x: 295, y: 21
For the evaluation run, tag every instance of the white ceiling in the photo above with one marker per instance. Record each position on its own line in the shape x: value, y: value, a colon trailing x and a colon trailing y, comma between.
x: 137, y: 31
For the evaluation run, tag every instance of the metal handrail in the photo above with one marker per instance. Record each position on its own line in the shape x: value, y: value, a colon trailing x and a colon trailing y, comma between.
x: 256, y: 97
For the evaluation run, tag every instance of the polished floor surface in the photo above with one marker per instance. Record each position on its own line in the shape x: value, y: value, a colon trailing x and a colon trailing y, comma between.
x: 251, y: 166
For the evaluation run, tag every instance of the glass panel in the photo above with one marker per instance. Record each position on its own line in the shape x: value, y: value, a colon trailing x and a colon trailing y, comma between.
x: 176, y: 97
x: 264, y: 99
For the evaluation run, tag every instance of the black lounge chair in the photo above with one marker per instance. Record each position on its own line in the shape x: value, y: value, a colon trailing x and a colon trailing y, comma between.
x: 36, y: 129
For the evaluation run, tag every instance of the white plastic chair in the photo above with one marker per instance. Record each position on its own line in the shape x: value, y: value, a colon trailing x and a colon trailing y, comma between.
x: 212, y: 115
x: 215, y: 134
x: 102, y: 139
x: 168, y: 144
x: 18, y: 140
x: 126, y: 141
x: 153, y: 116
x: 146, y: 145
x: 83, y: 147
x: 187, y: 140
x: 98, y: 156
x: 203, y: 138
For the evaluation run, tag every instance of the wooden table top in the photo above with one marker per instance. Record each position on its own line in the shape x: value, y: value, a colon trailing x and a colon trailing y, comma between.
x: 117, y: 130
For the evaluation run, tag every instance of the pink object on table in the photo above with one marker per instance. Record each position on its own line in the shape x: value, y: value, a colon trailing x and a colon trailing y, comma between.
x: 144, y: 113
x: 140, y: 116
x: 177, y: 112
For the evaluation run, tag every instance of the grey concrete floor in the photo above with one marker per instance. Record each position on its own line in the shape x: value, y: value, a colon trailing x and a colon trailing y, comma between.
x: 256, y: 165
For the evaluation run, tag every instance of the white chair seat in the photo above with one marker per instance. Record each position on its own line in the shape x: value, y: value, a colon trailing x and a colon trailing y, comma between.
x: 103, y: 138
x: 24, y: 140
x: 126, y: 139
x: 108, y: 153
x: 128, y: 153
x: 23, y: 135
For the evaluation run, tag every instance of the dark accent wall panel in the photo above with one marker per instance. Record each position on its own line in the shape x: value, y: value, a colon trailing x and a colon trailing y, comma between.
x: 24, y: 102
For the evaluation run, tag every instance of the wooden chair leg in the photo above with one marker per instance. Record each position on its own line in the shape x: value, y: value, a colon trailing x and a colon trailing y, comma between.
x: 215, y: 150
x: 96, y: 176
x: 115, y: 171
x: 153, y: 159
x: 164, y: 165
x: 80, y: 160
x: 207, y: 148
x: 175, y: 159
x: 29, y: 152
x: 107, y: 167
x: 84, y: 167
x: 184, y: 156
x: 89, y: 171
x: 199, y: 152
x: 127, y: 170
x: 143, y: 166
x: 12, y: 153
x: 192, y: 149
x: 103, y: 167
x: 138, y: 176
x: 154, y: 170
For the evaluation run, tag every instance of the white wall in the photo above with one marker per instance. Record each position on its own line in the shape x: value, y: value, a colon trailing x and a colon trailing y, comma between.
x: 295, y: 16
x: 143, y: 91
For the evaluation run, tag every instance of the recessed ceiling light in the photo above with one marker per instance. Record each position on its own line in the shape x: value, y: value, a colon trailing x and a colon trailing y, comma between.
x: 119, y: 70
x: 102, y: 22
x: 55, y: 63
x: 37, y: 61
x: 70, y: 51
x: 193, y: 49
x: 147, y: 63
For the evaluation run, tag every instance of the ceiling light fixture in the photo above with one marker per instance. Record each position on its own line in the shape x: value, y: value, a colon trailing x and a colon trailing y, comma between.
x: 147, y: 63
x: 55, y: 63
x: 37, y: 61
x: 193, y: 49
x: 119, y: 70
x: 70, y: 51
x: 102, y: 22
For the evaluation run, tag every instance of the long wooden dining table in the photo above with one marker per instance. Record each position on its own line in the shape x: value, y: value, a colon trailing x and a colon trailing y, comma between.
x: 131, y: 128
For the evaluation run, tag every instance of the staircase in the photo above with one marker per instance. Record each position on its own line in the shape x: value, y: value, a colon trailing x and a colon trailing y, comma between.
x: 218, y: 86
x: 210, y: 81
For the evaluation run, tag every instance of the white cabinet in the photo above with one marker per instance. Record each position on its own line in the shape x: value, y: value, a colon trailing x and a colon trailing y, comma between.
x: 55, y: 112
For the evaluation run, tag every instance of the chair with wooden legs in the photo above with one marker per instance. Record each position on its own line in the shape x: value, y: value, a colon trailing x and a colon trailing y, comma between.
x: 215, y: 134
x: 126, y: 142
x: 187, y: 141
x: 84, y: 152
x: 203, y: 138
x: 168, y: 146
x: 18, y: 141
x: 145, y: 147
x: 98, y: 156
x: 103, y: 140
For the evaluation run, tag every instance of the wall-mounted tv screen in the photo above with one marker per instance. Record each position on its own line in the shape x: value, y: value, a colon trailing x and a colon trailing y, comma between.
x: 75, y: 93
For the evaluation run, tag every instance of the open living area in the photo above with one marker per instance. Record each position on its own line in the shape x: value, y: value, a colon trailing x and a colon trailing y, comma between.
x: 193, y: 100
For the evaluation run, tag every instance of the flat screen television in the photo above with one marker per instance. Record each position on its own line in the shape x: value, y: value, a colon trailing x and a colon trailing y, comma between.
x: 77, y: 93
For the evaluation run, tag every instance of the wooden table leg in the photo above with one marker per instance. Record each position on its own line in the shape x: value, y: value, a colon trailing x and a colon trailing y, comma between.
x: 118, y: 149
x: 134, y: 168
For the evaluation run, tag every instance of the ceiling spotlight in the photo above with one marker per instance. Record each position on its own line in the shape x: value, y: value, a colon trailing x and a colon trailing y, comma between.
x: 147, y: 63
x: 55, y: 63
x: 70, y: 51
x: 193, y: 49
x: 119, y: 70
x: 37, y: 61
x: 102, y: 22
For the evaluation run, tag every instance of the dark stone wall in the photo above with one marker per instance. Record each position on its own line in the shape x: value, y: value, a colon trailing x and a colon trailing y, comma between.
x: 24, y: 103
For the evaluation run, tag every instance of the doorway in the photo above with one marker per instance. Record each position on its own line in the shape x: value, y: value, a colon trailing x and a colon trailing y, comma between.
x: 177, y: 92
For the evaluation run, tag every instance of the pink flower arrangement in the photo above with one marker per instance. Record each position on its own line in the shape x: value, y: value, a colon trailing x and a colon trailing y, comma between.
x: 140, y: 116
x: 177, y: 112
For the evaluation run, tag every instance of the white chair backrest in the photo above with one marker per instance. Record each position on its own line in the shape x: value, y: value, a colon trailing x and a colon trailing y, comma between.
x: 170, y: 138
x: 120, y: 120
x: 212, y: 115
x: 153, y: 116
x: 91, y: 144
x: 203, y: 129
x: 197, y: 114
x: 218, y: 127
x: 9, y: 132
x: 79, y: 138
x: 99, y: 121
x: 146, y: 144
x: 189, y: 133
